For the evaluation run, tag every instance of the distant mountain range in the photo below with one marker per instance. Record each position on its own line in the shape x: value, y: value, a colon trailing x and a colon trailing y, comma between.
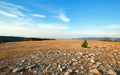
x: 15, y: 39
x: 98, y: 38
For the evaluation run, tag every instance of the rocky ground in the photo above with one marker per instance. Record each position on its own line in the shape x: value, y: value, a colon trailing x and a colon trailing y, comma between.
x: 60, y: 58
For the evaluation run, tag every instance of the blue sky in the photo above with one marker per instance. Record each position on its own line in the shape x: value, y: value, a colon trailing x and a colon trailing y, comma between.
x: 60, y: 18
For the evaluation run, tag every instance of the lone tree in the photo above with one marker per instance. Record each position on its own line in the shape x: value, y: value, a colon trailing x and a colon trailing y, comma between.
x: 85, y: 44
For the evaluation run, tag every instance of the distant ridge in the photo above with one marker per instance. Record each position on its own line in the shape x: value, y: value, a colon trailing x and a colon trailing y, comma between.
x: 16, y: 38
x: 97, y: 38
x: 11, y: 38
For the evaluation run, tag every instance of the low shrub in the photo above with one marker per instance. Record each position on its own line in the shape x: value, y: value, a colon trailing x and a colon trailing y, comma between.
x: 85, y: 44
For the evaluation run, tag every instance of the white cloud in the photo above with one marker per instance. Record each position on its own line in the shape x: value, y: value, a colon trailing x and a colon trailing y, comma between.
x: 12, y: 8
x: 63, y: 17
x: 38, y: 15
x: 8, y: 5
x: 8, y: 14
x: 53, y: 26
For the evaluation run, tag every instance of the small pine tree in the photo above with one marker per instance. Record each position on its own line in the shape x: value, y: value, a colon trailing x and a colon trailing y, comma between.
x: 85, y: 44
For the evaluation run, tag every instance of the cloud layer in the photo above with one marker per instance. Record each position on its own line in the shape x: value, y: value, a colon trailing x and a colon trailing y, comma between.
x: 22, y: 23
x: 17, y: 20
x: 113, y: 26
x: 13, y: 9
x: 53, y: 26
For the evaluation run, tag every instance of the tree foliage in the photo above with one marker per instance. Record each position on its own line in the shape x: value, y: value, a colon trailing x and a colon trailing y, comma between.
x: 2, y: 40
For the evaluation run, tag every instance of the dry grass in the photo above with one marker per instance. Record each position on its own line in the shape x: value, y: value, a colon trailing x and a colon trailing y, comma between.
x: 13, y: 50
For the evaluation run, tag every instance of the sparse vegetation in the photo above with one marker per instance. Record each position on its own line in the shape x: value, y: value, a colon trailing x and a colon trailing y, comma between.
x: 37, y: 39
x: 109, y: 40
x: 2, y: 40
x: 85, y: 44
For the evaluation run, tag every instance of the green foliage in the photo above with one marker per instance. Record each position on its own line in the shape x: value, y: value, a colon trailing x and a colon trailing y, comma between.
x: 37, y: 39
x: 85, y: 44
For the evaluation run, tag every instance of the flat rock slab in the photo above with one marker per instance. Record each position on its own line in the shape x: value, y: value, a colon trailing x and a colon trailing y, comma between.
x: 18, y: 69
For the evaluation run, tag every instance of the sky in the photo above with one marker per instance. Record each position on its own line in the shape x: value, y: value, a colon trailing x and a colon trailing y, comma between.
x: 60, y: 18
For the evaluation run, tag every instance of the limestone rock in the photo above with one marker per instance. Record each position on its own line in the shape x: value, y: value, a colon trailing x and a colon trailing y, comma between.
x: 111, y: 72
x: 95, y: 72
x: 18, y: 69
x: 31, y: 66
